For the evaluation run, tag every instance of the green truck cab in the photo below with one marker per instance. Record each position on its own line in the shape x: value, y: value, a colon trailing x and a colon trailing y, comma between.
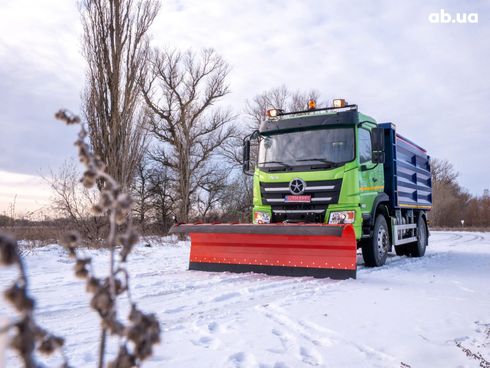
x: 338, y: 166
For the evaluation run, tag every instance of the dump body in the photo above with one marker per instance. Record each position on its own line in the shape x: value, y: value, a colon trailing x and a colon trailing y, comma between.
x: 408, y: 181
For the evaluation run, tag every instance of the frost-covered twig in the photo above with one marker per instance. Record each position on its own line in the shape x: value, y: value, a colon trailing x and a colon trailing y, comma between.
x: 143, y: 330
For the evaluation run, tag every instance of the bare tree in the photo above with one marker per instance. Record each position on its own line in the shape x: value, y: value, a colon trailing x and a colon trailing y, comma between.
x: 181, y: 93
x: 449, y: 199
x: 141, y: 193
x: 73, y: 203
x: 116, y: 47
x: 212, y: 192
x: 162, y: 202
x: 277, y: 98
x: 237, y: 199
x: 443, y: 172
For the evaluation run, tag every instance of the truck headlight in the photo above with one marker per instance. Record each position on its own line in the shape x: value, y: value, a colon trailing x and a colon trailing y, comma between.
x: 342, y: 217
x: 261, y: 218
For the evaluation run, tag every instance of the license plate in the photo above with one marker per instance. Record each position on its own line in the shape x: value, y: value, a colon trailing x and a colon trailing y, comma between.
x: 298, y: 198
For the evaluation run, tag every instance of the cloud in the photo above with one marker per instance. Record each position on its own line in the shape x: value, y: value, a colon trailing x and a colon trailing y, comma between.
x: 40, y: 71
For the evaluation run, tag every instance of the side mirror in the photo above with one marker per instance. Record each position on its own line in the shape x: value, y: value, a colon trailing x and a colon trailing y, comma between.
x: 378, y: 145
x: 246, y: 156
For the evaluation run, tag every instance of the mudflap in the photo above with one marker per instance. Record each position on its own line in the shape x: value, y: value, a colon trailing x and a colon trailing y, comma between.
x: 316, y: 250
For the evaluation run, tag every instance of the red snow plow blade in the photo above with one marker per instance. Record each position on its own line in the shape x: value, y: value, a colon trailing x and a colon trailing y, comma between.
x: 316, y: 250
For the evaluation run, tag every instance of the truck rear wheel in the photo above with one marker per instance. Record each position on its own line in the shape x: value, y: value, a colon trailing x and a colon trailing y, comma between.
x: 417, y: 249
x: 375, y: 250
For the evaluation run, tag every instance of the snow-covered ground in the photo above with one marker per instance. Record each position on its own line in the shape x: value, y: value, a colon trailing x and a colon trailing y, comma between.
x: 411, y: 312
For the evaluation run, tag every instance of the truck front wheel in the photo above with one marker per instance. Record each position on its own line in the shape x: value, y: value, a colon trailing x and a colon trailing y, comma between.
x: 375, y: 249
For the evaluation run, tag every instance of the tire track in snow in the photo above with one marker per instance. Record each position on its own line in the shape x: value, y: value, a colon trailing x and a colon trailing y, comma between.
x: 225, y: 301
x: 455, y: 239
x: 316, y: 336
x: 435, y: 237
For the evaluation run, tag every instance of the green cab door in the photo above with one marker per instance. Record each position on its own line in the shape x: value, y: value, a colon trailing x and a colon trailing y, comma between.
x: 371, y: 180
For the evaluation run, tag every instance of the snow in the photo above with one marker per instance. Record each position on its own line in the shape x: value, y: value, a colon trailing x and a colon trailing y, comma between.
x: 411, y: 311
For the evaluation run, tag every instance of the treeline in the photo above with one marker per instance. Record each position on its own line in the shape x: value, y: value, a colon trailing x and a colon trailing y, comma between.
x: 453, y: 206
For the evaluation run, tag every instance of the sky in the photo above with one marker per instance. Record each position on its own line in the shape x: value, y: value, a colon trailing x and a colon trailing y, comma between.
x: 430, y: 79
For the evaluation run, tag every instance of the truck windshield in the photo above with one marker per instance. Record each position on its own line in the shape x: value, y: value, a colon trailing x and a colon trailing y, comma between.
x: 329, y: 147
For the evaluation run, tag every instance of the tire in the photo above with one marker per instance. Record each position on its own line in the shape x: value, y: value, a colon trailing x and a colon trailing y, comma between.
x: 417, y: 249
x: 375, y: 250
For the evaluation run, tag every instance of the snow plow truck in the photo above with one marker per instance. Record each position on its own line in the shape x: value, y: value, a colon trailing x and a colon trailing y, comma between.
x: 326, y: 182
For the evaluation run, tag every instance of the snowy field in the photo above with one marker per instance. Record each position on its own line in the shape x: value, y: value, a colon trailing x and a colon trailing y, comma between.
x: 410, y: 312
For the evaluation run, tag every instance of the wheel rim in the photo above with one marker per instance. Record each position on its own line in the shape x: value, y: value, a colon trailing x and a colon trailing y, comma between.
x: 382, y: 242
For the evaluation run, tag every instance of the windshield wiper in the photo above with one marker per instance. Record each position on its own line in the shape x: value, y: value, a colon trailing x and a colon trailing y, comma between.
x: 320, y: 160
x: 275, y: 162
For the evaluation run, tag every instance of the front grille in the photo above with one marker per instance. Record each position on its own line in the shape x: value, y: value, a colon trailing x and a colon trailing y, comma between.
x: 323, y: 193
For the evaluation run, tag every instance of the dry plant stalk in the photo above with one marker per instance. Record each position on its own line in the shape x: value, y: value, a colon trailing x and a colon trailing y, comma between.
x: 142, y: 331
x: 29, y: 336
x: 477, y: 356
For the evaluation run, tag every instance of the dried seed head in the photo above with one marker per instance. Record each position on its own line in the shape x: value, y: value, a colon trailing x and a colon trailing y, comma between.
x: 83, y: 152
x: 102, y: 301
x: 135, y: 315
x: 40, y: 333
x: 121, y: 216
x: 81, y: 270
x: 67, y: 117
x: 24, y: 341
x: 17, y: 295
x: 82, y: 134
x: 88, y: 179
x: 99, y: 164
x: 127, y: 240
x: 97, y: 210
x: 106, y: 199
x: 119, y: 286
x: 92, y: 284
x: 47, y: 347
x: 8, y: 251
x: 124, y: 201
x: 144, y: 349
x: 71, y: 239
x: 115, y: 327
x: 144, y: 332
x: 50, y: 343
x: 123, y: 360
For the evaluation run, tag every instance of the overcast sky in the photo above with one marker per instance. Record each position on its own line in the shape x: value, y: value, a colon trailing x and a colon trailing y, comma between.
x: 431, y: 80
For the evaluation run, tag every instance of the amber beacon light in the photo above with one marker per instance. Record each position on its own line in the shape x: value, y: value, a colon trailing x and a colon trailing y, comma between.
x: 339, y: 102
x: 311, y: 104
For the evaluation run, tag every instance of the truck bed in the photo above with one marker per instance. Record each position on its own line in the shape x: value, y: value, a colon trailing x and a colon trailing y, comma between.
x: 408, y: 180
